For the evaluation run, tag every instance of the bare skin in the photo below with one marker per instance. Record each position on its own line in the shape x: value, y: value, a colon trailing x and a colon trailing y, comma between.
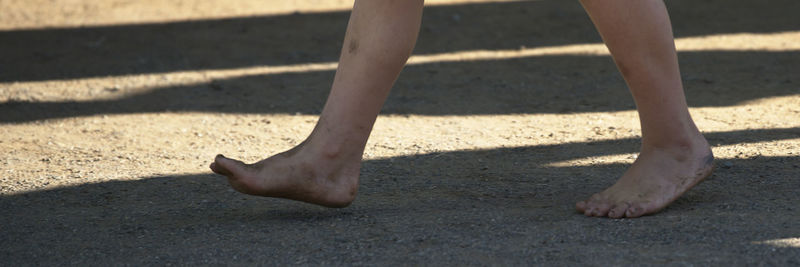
x: 324, y: 169
x: 674, y: 155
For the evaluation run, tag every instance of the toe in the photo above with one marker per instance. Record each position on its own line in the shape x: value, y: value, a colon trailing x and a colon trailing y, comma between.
x: 595, y: 206
x: 581, y: 206
x: 618, y: 211
x: 634, y: 210
x: 601, y: 209
x: 218, y: 170
x: 228, y: 167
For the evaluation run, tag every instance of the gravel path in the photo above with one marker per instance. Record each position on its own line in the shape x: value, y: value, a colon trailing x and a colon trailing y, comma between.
x: 510, y: 113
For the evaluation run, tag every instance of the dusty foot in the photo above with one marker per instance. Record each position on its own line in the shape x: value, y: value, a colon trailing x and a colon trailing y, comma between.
x: 329, y: 181
x: 656, y: 179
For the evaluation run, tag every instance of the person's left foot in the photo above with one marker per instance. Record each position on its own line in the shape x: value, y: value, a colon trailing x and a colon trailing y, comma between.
x: 327, y: 180
x: 656, y: 179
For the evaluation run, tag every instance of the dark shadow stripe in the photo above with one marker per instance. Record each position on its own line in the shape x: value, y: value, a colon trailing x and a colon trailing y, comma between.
x: 504, y: 210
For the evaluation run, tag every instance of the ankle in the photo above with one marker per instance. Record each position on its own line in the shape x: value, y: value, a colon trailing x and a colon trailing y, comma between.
x: 333, y: 163
x: 680, y: 149
x: 333, y: 148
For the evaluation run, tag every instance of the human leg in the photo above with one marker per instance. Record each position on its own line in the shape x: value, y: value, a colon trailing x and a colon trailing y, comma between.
x: 674, y: 155
x: 324, y: 168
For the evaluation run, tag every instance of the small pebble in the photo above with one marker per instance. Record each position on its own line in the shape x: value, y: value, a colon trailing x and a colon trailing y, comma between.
x: 727, y: 164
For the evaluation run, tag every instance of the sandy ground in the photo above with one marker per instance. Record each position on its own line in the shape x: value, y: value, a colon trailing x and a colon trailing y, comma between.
x: 509, y: 112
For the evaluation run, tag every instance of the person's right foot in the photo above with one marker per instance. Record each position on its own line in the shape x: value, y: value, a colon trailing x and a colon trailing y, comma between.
x: 330, y: 182
x: 657, y: 178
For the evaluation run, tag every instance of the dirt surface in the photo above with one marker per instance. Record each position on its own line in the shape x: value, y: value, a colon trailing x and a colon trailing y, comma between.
x: 509, y: 113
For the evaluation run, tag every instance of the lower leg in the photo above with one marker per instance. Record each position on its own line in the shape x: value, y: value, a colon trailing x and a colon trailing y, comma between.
x: 674, y: 155
x: 324, y: 169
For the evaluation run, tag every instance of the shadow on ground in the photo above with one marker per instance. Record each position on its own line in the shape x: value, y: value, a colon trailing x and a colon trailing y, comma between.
x: 463, y: 207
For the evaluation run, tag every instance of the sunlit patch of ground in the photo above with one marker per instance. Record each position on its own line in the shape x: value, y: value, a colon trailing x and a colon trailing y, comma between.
x: 782, y: 242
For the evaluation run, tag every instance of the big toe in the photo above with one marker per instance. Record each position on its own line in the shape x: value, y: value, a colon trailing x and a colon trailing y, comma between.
x: 227, y: 167
x: 581, y: 206
x: 596, y: 205
x: 599, y: 209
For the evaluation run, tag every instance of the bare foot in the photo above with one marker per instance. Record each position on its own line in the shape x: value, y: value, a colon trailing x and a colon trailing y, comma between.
x: 656, y: 179
x: 329, y: 180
